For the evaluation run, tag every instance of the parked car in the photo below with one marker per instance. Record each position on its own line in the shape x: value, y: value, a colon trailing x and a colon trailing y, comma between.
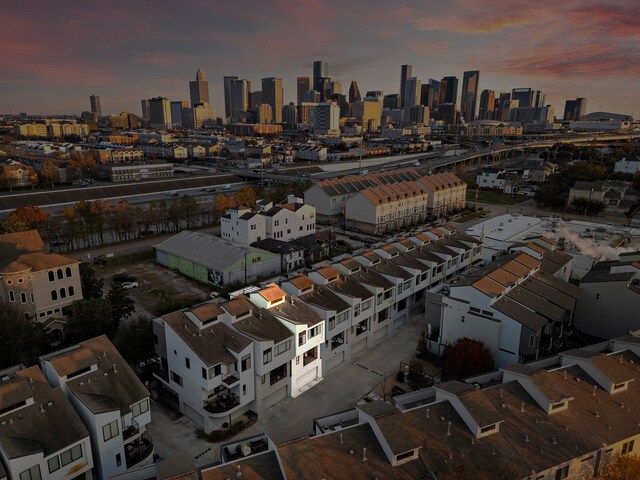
x: 214, y: 295
x: 172, y: 193
x: 124, y: 278
x: 225, y: 187
x: 128, y: 285
x: 57, y: 243
x: 211, y: 190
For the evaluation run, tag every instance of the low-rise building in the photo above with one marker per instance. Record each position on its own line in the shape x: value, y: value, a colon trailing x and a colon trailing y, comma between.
x: 630, y: 164
x: 318, y: 154
x: 134, y: 171
x: 492, y: 128
x: 16, y: 174
x: 291, y: 255
x: 111, y: 401
x: 617, y: 196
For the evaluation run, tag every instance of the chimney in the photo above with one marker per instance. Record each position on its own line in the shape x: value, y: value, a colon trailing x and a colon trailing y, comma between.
x: 427, y: 413
x: 115, y: 370
x: 364, y: 454
x: 522, y: 407
x: 448, y: 429
x: 41, y: 410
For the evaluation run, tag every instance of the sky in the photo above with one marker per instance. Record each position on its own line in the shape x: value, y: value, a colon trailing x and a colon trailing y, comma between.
x: 55, y: 53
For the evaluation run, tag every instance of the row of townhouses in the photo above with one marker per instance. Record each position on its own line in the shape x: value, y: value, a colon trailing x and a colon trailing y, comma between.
x: 221, y: 360
x: 564, y: 417
x: 82, y: 413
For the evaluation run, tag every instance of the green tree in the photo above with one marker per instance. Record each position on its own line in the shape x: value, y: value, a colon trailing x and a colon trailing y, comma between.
x: 464, y: 358
x: 122, y: 305
x: 88, y: 319
x: 91, y: 285
x: 134, y: 340
x: 21, y: 340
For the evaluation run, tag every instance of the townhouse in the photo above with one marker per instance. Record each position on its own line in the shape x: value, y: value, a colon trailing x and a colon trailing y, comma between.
x: 40, y: 284
x: 41, y: 436
x: 109, y: 399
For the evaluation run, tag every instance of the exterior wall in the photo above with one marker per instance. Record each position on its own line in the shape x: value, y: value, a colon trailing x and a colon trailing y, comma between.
x: 325, y: 205
x: 263, y: 378
x: 595, y: 304
x: 242, y: 231
x: 42, y: 288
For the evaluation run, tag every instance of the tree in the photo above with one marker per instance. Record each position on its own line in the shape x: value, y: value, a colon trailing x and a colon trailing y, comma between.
x: 49, y: 173
x: 245, y: 196
x: 31, y: 215
x: 423, y: 344
x: 91, y: 285
x: 416, y: 376
x: 222, y: 203
x: 14, y: 224
x: 21, y: 340
x: 88, y: 319
x: 134, y: 340
x: 122, y: 305
x: 464, y: 358
x: 622, y: 467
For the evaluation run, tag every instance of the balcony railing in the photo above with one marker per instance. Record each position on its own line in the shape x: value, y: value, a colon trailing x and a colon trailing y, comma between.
x: 222, y: 403
x: 131, y: 430
x: 138, y: 451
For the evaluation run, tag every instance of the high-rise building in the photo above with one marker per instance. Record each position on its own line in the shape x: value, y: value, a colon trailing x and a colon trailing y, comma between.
x: 336, y: 88
x: 177, y: 107
x: 265, y: 113
x: 324, y: 87
x: 199, y: 89
x: 368, y: 114
x: 412, y: 87
x: 426, y: 95
x: 487, y: 105
x: 435, y: 87
x: 470, y: 81
x: 320, y: 70
x: 255, y: 99
x: 507, y: 112
x: 311, y: 97
x: 528, y: 97
x: 289, y: 115
x: 202, y: 113
x: 239, y: 98
x: 448, y: 90
x: 418, y: 114
x: 145, y: 109
x: 96, y: 108
x: 405, y: 74
x: 575, y: 109
x: 502, y: 104
x: 374, y: 95
x: 325, y: 117
x: 304, y: 112
x: 226, y: 81
x: 354, y: 92
x: 272, y: 94
x: 391, y: 101
x: 449, y: 115
x: 303, y: 87
x: 160, y: 113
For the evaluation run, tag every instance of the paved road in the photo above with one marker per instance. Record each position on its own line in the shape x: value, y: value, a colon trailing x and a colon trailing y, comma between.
x: 293, y: 417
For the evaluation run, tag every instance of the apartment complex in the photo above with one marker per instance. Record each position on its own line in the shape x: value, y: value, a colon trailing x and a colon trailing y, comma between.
x: 220, y: 361
x: 290, y: 220
x: 38, y: 283
x: 109, y: 399
x: 16, y: 174
x: 378, y: 192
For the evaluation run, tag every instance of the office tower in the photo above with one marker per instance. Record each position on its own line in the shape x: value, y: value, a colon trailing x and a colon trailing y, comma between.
x: 199, y: 89
x: 435, y: 87
x: 324, y: 87
x: 391, y: 101
x: 507, y: 113
x: 255, y: 99
x: 289, y: 115
x: 176, y: 112
x: 449, y: 115
x: 272, y: 95
x: 374, y: 95
x: 448, y: 90
x: 502, y: 102
x: 405, y: 73
x: 336, y: 88
x: 304, y: 112
x: 470, y: 81
x: 415, y: 115
x: 265, y: 113
x: 320, y: 70
x: 528, y: 97
x: 202, y: 113
x: 574, y: 109
x: 426, y: 95
x: 354, y: 92
x: 303, y: 87
x: 412, y: 87
x: 239, y: 98
x: 311, y: 97
x: 226, y: 81
x: 368, y: 114
x: 145, y: 109
x: 325, y: 117
x: 487, y: 105
x: 159, y: 113
x: 341, y: 100
x: 96, y: 108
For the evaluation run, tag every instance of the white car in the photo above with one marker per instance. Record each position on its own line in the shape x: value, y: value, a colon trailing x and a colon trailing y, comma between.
x: 128, y: 285
x: 214, y: 295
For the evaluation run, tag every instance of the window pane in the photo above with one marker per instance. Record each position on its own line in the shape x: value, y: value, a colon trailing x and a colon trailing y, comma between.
x: 65, y: 457
x: 54, y: 464
x: 76, y: 452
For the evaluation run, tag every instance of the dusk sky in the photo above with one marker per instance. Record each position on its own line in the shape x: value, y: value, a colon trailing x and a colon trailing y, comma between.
x: 54, y: 53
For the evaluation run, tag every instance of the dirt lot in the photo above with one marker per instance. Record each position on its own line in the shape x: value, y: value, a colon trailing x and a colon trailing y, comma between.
x: 159, y: 288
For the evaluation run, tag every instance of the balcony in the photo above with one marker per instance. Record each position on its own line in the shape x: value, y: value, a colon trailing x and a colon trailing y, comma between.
x: 139, y: 451
x: 231, y: 379
x: 130, y: 431
x: 310, y: 356
x: 222, y: 403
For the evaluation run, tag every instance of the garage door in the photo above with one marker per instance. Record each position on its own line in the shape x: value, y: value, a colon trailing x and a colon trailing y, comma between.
x: 333, y: 361
x: 307, y: 377
x: 379, y: 334
x: 274, y: 398
x: 193, y: 415
x: 361, y: 344
x: 399, y: 321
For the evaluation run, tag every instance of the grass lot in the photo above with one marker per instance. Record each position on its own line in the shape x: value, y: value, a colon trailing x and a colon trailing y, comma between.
x: 471, y: 216
x: 490, y: 196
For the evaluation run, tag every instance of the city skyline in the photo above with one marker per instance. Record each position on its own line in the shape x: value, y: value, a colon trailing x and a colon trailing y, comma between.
x: 57, y: 54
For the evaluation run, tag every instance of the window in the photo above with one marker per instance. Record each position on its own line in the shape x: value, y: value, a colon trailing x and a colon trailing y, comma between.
x: 283, y: 347
x: 54, y: 464
x: 176, y: 378
x: 187, y: 363
x: 532, y: 341
x: 54, y: 295
x: 562, y: 473
x: 118, y: 460
x: 204, y: 373
x: 71, y: 291
x: 267, y: 356
x: 71, y: 455
x: 12, y: 297
x: 244, y: 389
x: 32, y: 474
x: 140, y: 408
x: 627, y: 447
x: 488, y: 429
x: 52, y: 277
x: 317, y: 330
x: 23, y: 297
x: 302, y: 338
x: 399, y: 289
x: 110, y: 430
x: 68, y: 271
x: 366, y: 304
x: 63, y: 293
x: 246, y: 363
x: 59, y: 274
x: 356, y: 310
x: 332, y: 323
x: 217, y: 370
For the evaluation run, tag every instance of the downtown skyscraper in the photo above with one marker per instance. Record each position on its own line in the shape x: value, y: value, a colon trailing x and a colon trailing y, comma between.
x: 199, y: 89
x: 272, y: 95
x: 469, y: 94
x: 486, y: 110
x: 96, y: 108
x: 320, y: 70
x: 405, y: 74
